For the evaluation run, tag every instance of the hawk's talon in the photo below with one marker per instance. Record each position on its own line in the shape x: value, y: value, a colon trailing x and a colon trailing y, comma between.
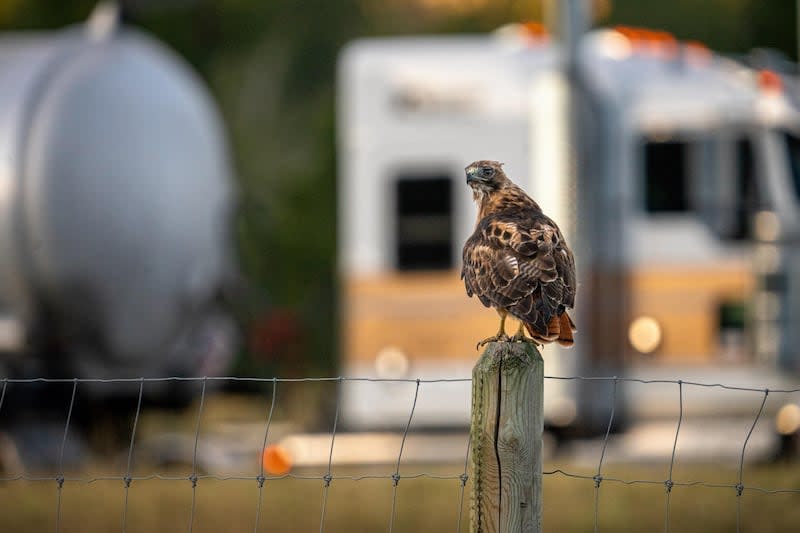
x: 497, y: 338
x: 526, y: 339
x: 520, y: 336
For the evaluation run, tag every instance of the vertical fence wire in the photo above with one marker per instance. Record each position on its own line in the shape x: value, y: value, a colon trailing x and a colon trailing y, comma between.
x: 3, y: 393
x: 127, y: 479
x: 193, y: 476
x: 463, y: 484
x: 598, y: 477
x: 739, y: 485
x: 668, y: 484
x: 327, y: 478
x: 60, y: 477
x: 261, y: 478
x: 396, y: 475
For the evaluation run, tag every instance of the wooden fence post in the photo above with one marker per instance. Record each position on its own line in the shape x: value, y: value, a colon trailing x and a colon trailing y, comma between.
x: 506, y: 439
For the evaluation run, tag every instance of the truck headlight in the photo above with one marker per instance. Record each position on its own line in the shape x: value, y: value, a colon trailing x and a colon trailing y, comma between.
x: 391, y: 363
x: 644, y: 334
x: 787, y: 421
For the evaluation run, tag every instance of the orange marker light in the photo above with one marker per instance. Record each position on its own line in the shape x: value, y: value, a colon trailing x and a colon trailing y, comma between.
x: 770, y: 81
x: 696, y: 52
x: 655, y: 42
x: 276, y: 460
x: 535, y: 29
x: 663, y: 44
x: 534, y: 32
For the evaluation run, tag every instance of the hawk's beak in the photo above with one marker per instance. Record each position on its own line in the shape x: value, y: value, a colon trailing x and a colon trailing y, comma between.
x: 473, y: 176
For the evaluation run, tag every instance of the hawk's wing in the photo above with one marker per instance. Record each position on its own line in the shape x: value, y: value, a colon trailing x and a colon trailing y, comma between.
x: 519, y: 261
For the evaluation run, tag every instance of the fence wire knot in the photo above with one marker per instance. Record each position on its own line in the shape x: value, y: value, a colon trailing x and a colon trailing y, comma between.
x: 60, y: 481
x: 327, y: 478
x: 669, y: 484
x: 193, y: 479
x: 395, y: 479
x: 739, y: 489
x: 260, y: 479
x: 597, y: 480
x: 127, y: 481
x: 463, y: 478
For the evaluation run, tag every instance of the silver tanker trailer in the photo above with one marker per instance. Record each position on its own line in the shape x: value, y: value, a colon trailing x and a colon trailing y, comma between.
x: 116, y: 198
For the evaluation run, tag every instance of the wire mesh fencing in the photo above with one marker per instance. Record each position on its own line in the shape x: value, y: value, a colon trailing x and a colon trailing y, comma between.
x: 456, y: 477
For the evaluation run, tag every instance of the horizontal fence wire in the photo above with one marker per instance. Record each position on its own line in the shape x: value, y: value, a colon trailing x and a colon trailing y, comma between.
x: 260, y: 477
x: 200, y: 379
x: 392, y: 478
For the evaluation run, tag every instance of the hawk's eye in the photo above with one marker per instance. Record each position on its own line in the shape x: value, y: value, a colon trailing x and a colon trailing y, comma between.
x: 487, y: 172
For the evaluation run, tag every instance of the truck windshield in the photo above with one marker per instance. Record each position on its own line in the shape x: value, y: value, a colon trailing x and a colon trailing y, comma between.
x: 793, y: 152
x: 709, y: 176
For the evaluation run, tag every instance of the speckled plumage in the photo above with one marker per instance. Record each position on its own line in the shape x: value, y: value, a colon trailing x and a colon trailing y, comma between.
x: 517, y: 260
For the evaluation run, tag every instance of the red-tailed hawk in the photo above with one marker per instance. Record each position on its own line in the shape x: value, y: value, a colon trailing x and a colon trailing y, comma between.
x: 517, y: 260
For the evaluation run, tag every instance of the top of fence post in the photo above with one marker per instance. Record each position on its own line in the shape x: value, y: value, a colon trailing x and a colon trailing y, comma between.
x: 506, y: 435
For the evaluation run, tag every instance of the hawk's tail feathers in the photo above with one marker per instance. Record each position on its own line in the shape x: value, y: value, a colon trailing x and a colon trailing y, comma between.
x: 559, y: 329
x: 565, y: 337
x: 551, y: 331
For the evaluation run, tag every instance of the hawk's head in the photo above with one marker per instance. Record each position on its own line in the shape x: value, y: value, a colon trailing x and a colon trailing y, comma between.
x: 485, y: 177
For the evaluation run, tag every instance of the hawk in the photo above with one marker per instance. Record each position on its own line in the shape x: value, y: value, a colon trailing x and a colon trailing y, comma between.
x: 517, y: 260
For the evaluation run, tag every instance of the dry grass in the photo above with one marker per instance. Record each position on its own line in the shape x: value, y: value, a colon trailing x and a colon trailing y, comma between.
x: 422, y: 504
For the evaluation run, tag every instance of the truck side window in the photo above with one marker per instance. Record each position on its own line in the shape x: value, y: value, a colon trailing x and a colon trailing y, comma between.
x: 666, y: 176
x: 424, y: 222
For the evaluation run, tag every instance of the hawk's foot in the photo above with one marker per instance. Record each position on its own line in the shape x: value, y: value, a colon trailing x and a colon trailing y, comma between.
x: 521, y: 337
x: 501, y: 337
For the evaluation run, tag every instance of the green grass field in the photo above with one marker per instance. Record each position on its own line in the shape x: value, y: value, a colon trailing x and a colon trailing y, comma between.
x: 422, y: 504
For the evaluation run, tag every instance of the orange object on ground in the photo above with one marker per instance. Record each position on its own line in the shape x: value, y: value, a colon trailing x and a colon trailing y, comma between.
x: 276, y: 460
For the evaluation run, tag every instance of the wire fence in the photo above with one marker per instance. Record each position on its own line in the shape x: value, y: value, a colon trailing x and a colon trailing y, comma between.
x: 261, y: 477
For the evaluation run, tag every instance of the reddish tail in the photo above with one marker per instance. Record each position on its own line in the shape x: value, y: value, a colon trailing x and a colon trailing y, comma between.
x: 560, y: 329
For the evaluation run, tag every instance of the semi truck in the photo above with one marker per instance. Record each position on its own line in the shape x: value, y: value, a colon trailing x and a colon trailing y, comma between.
x: 680, y: 227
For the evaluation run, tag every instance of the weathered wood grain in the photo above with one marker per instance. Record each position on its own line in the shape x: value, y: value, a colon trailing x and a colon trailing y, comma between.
x: 506, y: 436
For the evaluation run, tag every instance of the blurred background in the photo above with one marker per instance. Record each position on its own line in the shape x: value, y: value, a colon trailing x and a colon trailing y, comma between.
x: 271, y: 70
x: 260, y: 189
